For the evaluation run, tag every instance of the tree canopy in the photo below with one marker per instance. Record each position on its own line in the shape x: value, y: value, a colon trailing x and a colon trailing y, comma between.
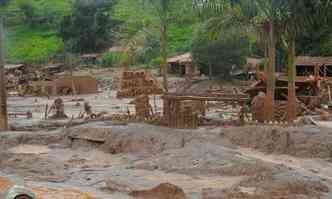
x: 220, y: 54
x: 90, y: 26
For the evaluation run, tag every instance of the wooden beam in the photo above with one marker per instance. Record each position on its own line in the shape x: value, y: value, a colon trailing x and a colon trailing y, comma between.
x: 207, y: 98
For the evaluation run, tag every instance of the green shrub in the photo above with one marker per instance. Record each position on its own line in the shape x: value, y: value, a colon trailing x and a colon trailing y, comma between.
x: 32, y: 46
x: 218, y: 56
x: 111, y: 59
x: 156, y: 62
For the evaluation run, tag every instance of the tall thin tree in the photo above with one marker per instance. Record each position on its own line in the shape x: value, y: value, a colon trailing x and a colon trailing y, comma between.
x: 298, y: 16
x: 162, y: 8
x: 263, y: 15
x: 3, y: 92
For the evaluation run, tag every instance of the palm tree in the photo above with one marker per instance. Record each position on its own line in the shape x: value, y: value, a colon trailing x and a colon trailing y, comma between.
x: 293, y: 23
x: 162, y: 8
x: 269, y: 15
x: 263, y: 16
x: 297, y: 16
x: 165, y: 12
x: 135, y: 45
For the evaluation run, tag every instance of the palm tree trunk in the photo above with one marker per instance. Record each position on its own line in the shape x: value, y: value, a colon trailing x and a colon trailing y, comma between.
x: 266, y: 56
x: 291, y: 109
x: 210, y: 71
x: 3, y: 92
x: 163, y: 52
x: 269, y: 103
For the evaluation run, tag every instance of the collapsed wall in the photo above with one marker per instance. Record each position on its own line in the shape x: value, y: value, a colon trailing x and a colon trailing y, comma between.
x: 136, y: 83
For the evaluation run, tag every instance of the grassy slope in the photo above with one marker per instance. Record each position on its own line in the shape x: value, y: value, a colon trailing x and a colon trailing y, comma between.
x: 31, y: 45
x: 34, y: 44
x: 134, y: 13
x: 37, y: 44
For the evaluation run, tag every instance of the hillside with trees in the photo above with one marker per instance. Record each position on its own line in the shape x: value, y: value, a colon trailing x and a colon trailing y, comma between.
x: 40, y: 30
x: 37, y: 30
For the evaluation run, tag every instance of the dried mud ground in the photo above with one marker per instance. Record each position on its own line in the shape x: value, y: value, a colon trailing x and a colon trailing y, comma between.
x: 106, y: 160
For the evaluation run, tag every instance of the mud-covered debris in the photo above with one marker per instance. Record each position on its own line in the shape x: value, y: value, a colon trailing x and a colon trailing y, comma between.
x: 162, y: 191
x: 59, y: 108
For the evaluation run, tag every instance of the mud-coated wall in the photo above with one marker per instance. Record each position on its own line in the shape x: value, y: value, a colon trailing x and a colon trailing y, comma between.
x: 83, y: 84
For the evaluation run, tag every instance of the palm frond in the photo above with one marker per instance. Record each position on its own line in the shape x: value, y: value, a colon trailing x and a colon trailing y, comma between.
x: 207, y: 8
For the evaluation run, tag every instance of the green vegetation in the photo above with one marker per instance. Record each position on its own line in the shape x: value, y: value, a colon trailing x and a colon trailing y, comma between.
x: 90, y: 27
x: 34, y: 26
x: 217, y: 56
x: 111, y: 59
x: 31, y: 29
x: 37, y: 30
x: 32, y: 46
x: 279, y: 24
x: 180, y: 38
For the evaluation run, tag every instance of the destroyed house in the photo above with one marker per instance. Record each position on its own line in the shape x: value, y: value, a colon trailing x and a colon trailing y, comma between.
x: 249, y: 70
x: 54, y: 68
x: 89, y: 59
x: 309, y: 72
x: 11, y: 68
x: 182, y: 65
x: 314, y: 66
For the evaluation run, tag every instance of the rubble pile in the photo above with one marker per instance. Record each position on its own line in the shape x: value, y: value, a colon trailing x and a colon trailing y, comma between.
x: 135, y: 83
x: 162, y: 191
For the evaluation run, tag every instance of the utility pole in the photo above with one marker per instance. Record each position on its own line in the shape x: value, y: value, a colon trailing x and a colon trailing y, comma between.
x: 3, y: 92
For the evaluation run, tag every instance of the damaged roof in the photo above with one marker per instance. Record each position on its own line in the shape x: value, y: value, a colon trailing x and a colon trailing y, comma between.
x: 13, y: 66
x: 184, y: 58
x: 53, y: 66
x: 90, y: 56
x: 310, y: 61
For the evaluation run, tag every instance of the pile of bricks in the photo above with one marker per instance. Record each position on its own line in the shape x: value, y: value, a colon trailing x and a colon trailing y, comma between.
x: 182, y: 114
x: 136, y: 83
x: 142, y: 107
